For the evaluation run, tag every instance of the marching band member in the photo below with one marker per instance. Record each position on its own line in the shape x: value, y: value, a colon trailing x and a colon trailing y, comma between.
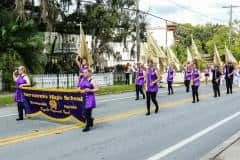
x: 139, y: 81
x: 90, y: 88
x: 21, y: 80
x: 207, y: 74
x: 187, y: 76
x: 170, y: 77
x: 229, y: 72
x: 237, y: 76
x: 195, y: 82
x: 216, y: 78
x: 152, y: 80
x: 83, y: 64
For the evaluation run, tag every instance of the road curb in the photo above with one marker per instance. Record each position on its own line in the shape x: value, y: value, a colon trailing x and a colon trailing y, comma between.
x: 212, y: 155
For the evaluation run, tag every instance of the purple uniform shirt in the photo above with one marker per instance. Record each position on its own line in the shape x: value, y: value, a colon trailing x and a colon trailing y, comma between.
x: 140, y: 81
x: 19, y: 93
x: 187, y: 74
x: 206, y: 73
x: 170, y: 74
x: 196, y: 74
x: 151, y: 76
x: 90, y: 96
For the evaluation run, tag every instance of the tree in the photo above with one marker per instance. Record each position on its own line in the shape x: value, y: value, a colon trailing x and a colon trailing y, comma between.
x: 20, y: 43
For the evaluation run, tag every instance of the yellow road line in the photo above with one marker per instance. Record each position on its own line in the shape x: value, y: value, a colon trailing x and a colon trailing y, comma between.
x: 52, y: 131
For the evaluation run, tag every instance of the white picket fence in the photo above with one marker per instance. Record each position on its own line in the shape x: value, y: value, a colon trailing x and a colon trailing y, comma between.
x: 179, y: 77
x: 68, y: 80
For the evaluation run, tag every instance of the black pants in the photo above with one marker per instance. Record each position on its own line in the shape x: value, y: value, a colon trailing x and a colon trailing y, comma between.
x: 216, y: 89
x: 20, y: 109
x: 152, y: 95
x: 127, y: 76
x: 139, y: 88
x: 187, y: 85
x: 170, y: 88
x: 229, y: 83
x: 195, y: 93
x: 88, y: 117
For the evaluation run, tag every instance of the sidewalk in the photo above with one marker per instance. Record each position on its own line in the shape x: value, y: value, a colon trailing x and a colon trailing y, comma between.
x: 228, y: 150
x: 6, y: 94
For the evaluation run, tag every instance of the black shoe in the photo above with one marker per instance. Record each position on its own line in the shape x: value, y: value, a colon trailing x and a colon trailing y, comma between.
x: 136, y: 99
x: 172, y: 93
x: 147, y: 114
x: 156, y: 110
x: 86, y: 129
x: 19, y: 119
x: 198, y: 100
x: 143, y: 96
x: 193, y: 102
x: 215, y: 96
x: 168, y: 93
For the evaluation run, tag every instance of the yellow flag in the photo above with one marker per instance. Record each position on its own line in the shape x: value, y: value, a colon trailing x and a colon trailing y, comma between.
x: 155, y: 50
x: 84, y: 52
x: 144, y: 53
x: 216, y: 59
x: 189, y: 56
x: 195, y: 53
x: 172, y: 58
x: 229, y: 56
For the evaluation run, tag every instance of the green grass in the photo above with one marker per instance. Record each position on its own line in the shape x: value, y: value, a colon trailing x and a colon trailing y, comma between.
x: 115, y: 89
x: 4, y: 100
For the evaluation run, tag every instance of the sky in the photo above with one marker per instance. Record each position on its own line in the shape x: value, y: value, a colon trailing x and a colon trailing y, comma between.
x: 190, y: 11
x: 186, y: 11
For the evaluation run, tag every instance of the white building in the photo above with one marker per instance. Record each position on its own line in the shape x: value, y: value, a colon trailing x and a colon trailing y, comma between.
x: 71, y: 44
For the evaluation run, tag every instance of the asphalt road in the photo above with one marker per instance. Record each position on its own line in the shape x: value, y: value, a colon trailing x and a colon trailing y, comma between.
x: 180, y: 131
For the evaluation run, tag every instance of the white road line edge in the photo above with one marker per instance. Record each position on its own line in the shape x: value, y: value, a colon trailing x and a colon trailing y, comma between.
x: 194, y: 137
x: 8, y: 115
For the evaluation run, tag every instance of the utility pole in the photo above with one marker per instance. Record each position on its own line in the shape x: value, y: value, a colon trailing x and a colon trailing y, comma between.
x: 137, y: 31
x: 230, y: 23
x: 166, y: 38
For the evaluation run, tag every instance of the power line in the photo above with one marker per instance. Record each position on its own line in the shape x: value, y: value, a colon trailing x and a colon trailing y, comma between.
x: 196, y: 12
x: 230, y: 22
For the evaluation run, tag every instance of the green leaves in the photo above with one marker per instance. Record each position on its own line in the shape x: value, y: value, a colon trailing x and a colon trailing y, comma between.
x: 20, y: 44
x: 205, y: 37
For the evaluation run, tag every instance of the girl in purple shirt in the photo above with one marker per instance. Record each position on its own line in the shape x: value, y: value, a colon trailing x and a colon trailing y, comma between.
x: 195, y: 82
x: 152, y: 86
x: 90, y: 88
x: 139, y: 81
x: 170, y: 76
x: 207, y: 73
x: 187, y: 76
x: 22, y: 80
x: 82, y: 64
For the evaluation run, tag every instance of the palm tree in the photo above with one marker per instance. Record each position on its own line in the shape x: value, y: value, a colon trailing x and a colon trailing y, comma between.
x: 20, y: 43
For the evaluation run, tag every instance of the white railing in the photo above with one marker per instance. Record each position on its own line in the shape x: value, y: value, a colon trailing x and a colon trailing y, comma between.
x: 68, y: 80
x: 179, y: 77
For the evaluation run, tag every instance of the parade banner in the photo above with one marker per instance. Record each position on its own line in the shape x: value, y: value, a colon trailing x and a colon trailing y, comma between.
x: 55, y: 104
